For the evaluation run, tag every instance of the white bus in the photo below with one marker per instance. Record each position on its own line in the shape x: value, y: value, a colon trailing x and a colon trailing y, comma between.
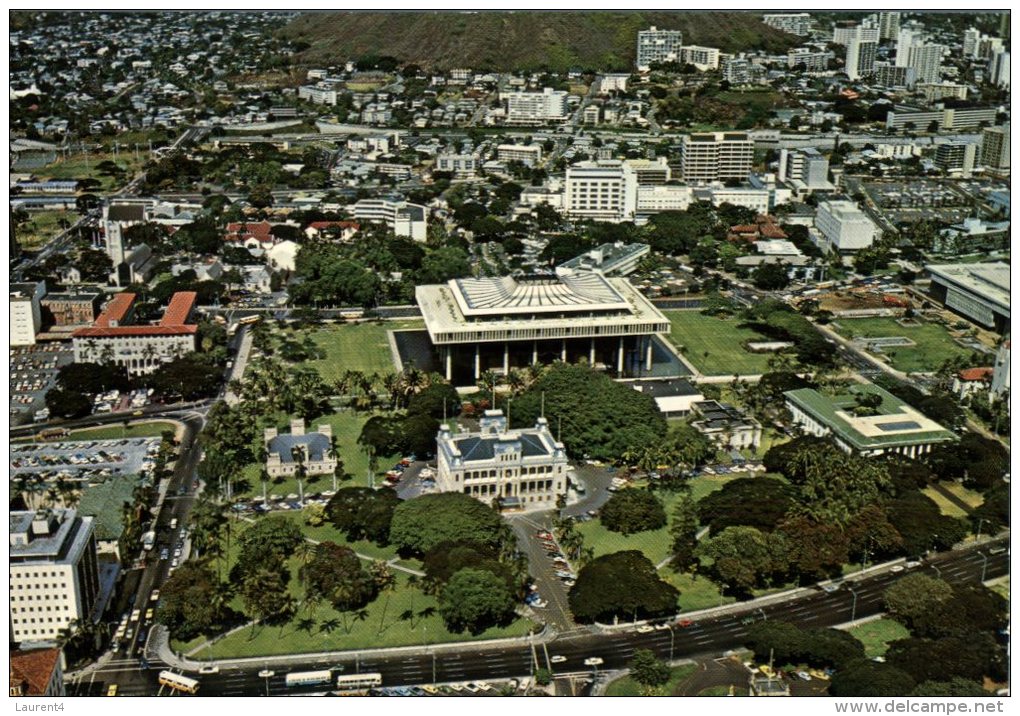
x: 178, y: 682
x: 308, y: 678
x: 358, y: 682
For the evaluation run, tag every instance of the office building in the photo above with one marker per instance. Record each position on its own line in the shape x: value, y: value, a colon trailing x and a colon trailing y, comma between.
x: 313, y: 450
x: 477, y: 324
x: 890, y: 427
x: 794, y: 23
x: 813, y: 60
x: 141, y: 349
x: 666, y: 197
x: 844, y: 227
x: 886, y: 75
x: 613, y: 82
x: 53, y: 573
x: 26, y: 312
x: 845, y: 34
x: 617, y: 259
x: 956, y: 157
x: 978, y: 292
x: 70, y: 309
x: 654, y: 46
x: 905, y: 40
x: 524, y: 469
x: 716, y: 156
x: 531, y: 108
x: 650, y: 171
x: 995, y: 147
x: 527, y: 154
x: 725, y: 425
x: 602, y: 191
x: 933, y: 92
x: 405, y: 219
x: 804, y: 169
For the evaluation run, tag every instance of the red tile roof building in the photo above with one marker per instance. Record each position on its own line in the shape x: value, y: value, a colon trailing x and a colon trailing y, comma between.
x: 242, y: 231
x: 139, y: 348
x: 764, y: 227
x: 36, y: 672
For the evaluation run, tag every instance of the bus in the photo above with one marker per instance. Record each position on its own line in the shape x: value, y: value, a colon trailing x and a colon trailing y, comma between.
x: 307, y: 678
x: 249, y: 320
x: 178, y: 682
x: 352, y: 683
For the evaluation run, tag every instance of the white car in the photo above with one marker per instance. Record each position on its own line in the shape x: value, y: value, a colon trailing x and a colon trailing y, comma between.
x: 557, y: 659
x: 646, y: 629
x: 804, y: 676
x: 593, y: 661
x: 661, y: 627
x: 210, y: 669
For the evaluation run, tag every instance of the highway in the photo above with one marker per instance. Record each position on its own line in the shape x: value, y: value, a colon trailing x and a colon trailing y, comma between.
x: 466, y: 662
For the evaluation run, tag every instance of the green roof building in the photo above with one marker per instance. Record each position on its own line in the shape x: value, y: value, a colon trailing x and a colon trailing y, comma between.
x: 866, y: 420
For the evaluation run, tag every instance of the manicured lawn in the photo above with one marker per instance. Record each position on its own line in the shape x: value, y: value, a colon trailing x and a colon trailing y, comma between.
x: 626, y: 686
x: 1001, y: 586
x: 945, y: 506
x: 653, y: 543
x: 934, y: 346
x: 346, y: 427
x: 43, y: 226
x: 720, y: 691
x: 695, y: 592
x: 970, y: 497
x: 876, y: 635
x: 715, y: 345
x: 355, y: 346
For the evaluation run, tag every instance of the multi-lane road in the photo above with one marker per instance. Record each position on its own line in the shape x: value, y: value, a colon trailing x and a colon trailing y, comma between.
x: 713, y: 634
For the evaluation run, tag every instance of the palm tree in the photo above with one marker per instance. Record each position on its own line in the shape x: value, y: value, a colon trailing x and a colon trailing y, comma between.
x: 385, y: 581
x: 334, y: 454
x: 391, y: 383
x: 516, y: 380
x: 300, y: 472
x: 264, y: 478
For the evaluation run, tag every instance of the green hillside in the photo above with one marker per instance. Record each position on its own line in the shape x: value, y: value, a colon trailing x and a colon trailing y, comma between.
x: 519, y: 40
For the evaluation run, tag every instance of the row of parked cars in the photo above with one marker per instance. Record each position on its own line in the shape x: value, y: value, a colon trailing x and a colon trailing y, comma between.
x: 561, y: 567
x: 463, y: 688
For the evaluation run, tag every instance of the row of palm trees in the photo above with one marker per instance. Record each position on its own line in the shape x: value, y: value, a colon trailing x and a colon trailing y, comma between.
x: 38, y: 493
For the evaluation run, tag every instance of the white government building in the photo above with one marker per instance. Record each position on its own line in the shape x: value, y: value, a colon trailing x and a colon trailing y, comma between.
x: 478, y: 324
x: 525, y: 469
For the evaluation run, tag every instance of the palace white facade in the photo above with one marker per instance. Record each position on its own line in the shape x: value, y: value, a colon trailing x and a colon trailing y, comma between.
x: 525, y: 469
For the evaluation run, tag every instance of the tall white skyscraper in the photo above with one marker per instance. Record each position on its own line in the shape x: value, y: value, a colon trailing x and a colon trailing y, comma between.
x: 860, y: 58
x: 905, y: 39
x: 888, y: 25
x: 927, y: 61
x: 998, y: 68
x: 970, y: 42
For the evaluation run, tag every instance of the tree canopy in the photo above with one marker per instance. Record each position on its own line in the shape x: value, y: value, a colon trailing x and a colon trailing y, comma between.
x: 595, y: 415
x: 621, y: 584
x: 422, y: 523
x: 335, y: 575
x: 474, y: 600
x: 630, y: 511
x: 363, y: 513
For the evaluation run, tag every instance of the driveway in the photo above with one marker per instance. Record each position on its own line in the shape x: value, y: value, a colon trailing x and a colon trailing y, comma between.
x: 596, y: 480
x: 552, y: 590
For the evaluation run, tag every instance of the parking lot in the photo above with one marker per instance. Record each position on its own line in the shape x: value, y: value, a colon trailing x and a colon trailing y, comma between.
x: 85, y: 462
x: 33, y: 371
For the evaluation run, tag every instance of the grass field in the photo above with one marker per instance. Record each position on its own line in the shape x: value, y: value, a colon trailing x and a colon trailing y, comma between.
x: 355, y: 346
x: 43, y: 226
x: 626, y: 686
x: 945, y: 506
x: 695, y: 592
x: 934, y: 346
x: 970, y: 497
x: 714, y: 345
x: 403, y: 617
x: 876, y: 635
x: 82, y: 166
